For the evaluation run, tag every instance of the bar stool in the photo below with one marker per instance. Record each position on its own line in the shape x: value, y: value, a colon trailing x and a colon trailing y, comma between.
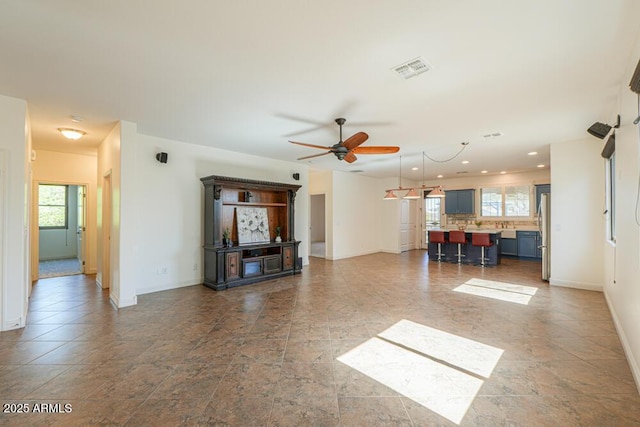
x: 481, y: 239
x: 438, y: 237
x: 458, y: 236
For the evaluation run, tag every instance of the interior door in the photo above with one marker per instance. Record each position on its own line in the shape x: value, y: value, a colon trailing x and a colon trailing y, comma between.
x: 82, y: 225
x: 407, y: 225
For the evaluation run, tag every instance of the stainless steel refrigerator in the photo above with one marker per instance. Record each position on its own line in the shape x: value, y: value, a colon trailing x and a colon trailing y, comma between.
x: 544, y: 222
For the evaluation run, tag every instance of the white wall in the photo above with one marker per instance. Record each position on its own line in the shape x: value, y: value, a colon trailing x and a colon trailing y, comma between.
x: 15, y: 143
x: 389, y: 222
x: 356, y: 220
x: 577, y: 220
x: 109, y: 165
x: 79, y: 169
x: 622, y: 285
x: 162, y: 207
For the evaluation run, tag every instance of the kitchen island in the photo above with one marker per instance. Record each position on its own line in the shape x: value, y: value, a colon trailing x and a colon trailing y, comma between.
x: 472, y: 253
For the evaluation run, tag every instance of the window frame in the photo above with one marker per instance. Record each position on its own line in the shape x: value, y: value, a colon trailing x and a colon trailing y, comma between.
x: 503, y: 202
x: 65, y: 206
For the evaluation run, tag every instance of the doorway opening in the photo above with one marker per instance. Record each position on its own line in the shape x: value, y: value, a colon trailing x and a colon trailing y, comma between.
x: 317, y: 226
x: 61, y: 216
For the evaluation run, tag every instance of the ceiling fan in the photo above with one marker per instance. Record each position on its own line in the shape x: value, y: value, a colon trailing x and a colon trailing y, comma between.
x: 347, y: 150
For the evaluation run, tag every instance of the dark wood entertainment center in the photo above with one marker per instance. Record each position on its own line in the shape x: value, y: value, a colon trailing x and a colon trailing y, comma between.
x: 234, y: 265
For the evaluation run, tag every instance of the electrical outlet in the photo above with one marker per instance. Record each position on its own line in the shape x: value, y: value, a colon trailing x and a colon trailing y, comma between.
x: 162, y: 270
x: 195, y: 266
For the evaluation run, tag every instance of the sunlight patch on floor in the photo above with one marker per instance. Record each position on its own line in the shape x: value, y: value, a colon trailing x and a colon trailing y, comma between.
x: 438, y: 370
x: 509, y: 292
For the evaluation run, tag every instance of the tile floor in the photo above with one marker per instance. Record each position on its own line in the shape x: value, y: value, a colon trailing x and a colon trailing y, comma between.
x: 267, y: 354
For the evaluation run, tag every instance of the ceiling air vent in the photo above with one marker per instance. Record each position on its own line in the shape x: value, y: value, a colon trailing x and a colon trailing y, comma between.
x: 357, y: 171
x: 492, y: 135
x: 412, y: 68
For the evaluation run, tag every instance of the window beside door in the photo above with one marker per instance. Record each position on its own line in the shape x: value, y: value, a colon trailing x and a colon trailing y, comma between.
x: 433, y: 211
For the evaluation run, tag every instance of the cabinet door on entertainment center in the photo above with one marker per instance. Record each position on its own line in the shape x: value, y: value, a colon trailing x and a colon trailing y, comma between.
x: 287, y: 258
x: 233, y: 262
x: 272, y: 264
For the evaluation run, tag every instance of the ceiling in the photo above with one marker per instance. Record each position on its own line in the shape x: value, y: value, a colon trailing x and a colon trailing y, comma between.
x: 248, y: 76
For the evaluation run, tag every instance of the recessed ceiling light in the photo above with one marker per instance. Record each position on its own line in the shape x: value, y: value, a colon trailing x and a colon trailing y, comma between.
x: 440, y: 176
x: 483, y: 171
x: 540, y: 166
x: 414, y: 168
x: 465, y: 162
x: 503, y: 172
x: 532, y: 153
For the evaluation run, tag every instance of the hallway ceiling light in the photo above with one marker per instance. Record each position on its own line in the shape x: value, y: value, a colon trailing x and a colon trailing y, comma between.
x: 72, y: 133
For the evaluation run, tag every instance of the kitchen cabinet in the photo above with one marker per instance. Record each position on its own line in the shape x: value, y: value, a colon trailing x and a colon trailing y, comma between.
x: 528, y: 242
x: 459, y: 202
x: 509, y: 247
x: 540, y: 190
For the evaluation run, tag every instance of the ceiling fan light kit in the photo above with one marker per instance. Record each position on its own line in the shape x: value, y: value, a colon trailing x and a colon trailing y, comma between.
x: 347, y: 150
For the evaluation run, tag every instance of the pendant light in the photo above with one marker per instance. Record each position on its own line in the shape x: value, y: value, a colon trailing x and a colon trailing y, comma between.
x: 436, y: 192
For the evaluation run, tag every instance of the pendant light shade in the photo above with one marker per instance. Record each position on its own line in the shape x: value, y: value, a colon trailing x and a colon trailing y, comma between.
x: 412, y: 194
x: 390, y: 195
x: 436, y: 192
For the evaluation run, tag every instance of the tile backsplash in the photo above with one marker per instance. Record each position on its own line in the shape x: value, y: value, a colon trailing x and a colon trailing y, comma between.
x: 471, y: 221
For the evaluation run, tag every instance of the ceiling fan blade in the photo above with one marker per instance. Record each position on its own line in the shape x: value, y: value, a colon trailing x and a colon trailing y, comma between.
x: 350, y: 157
x: 311, y: 145
x: 381, y: 149
x: 314, y: 155
x: 355, y: 140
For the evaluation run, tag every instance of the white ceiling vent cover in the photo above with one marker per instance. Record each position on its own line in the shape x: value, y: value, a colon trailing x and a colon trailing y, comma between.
x: 412, y: 68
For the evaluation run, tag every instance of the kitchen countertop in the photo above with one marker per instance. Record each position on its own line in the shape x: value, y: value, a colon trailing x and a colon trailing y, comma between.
x: 471, y: 230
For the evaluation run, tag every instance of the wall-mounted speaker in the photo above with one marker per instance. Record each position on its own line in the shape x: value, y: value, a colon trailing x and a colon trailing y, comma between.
x: 162, y: 157
x: 634, y: 84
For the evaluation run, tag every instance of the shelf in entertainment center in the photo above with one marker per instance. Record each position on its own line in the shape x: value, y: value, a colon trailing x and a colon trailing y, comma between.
x: 258, y: 204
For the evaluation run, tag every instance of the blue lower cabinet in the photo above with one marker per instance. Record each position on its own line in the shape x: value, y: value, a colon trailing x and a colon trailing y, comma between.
x: 509, y: 247
x: 527, y: 244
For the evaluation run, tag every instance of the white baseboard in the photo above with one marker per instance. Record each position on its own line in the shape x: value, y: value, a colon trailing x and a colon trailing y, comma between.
x: 118, y: 303
x: 633, y: 363
x: 13, y: 324
x: 168, y: 286
x: 576, y: 285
